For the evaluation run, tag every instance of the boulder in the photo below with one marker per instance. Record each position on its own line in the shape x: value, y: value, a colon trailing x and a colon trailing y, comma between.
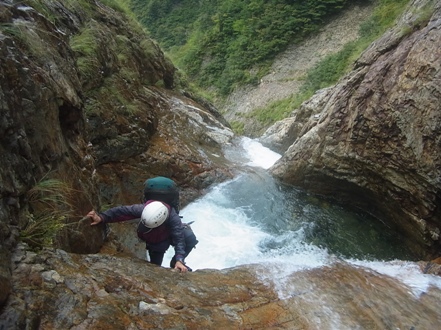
x: 376, y: 143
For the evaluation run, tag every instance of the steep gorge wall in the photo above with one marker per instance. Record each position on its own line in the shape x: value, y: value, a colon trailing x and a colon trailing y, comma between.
x: 87, y: 98
x: 373, y: 139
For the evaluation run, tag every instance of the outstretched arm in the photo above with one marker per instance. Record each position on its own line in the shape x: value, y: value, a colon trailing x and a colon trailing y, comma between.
x: 116, y: 214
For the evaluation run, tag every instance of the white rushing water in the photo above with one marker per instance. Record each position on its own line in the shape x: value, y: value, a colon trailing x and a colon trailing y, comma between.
x: 245, y: 221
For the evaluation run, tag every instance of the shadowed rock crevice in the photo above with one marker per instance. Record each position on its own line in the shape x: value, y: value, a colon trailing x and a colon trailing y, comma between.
x: 71, y: 119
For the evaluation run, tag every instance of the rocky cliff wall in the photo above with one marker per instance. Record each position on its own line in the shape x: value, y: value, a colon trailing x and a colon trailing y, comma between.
x: 373, y: 139
x: 88, y: 99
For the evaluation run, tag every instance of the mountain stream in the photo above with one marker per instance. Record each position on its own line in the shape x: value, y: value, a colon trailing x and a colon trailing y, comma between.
x: 252, y: 219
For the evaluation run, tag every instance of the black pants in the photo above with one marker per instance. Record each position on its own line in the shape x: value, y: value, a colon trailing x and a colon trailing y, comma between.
x: 156, y: 253
x: 156, y: 257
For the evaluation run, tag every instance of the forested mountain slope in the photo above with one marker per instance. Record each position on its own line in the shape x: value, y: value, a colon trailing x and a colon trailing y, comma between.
x: 227, y: 47
x: 218, y: 42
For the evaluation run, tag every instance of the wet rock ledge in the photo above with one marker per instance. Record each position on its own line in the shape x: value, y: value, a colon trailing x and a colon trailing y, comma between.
x: 59, y: 290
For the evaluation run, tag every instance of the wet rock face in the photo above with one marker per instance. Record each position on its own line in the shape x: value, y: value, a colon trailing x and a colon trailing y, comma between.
x: 87, y: 98
x: 58, y: 290
x: 186, y: 146
x: 41, y: 123
x: 375, y: 142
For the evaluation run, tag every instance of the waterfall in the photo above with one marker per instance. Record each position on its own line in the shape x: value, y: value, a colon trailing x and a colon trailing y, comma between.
x: 252, y: 219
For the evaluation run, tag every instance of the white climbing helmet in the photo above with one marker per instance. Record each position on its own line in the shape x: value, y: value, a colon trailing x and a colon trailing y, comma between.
x: 154, y: 214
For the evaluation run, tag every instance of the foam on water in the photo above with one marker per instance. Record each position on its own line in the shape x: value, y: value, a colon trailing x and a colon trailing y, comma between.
x: 408, y: 273
x: 228, y: 237
x: 225, y: 237
x: 259, y: 155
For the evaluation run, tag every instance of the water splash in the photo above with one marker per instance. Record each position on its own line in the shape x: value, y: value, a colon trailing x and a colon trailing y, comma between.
x: 248, y: 220
x: 258, y: 155
x: 406, y: 272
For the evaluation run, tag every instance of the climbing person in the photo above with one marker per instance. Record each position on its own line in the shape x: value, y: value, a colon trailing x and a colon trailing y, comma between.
x: 160, y: 224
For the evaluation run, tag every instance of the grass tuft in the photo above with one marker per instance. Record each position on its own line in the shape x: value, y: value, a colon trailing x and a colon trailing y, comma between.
x: 49, y: 210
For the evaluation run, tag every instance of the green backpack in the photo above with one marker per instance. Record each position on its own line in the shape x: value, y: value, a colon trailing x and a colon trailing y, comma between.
x: 162, y: 189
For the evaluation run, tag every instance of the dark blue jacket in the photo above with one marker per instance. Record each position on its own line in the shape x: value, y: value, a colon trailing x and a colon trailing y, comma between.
x: 130, y: 212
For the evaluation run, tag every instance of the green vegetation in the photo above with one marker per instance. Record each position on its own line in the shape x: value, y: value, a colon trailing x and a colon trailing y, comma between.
x: 85, y: 44
x: 119, y: 5
x: 13, y: 30
x: 280, y: 109
x: 423, y: 16
x: 328, y: 71
x: 111, y: 95
x: 95, y: 43
x: 50, y: 207
x: 222, y: 44
x: 26, y: 37
x: 83, y: 6
x: 237, y: 127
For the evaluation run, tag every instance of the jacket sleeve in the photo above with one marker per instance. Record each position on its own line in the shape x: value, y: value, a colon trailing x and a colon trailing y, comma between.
x: 177, y: 235
x: 122, y: 213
